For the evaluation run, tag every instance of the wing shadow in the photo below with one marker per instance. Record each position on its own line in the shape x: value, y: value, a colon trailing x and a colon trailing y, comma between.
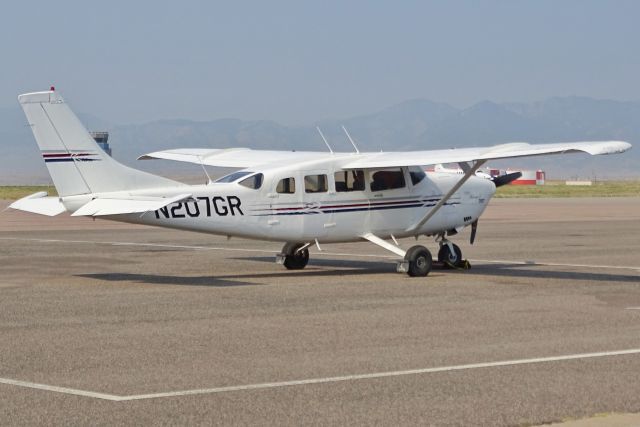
x: 524, y: 270
x: 336, y: 268
x: 346, y: 268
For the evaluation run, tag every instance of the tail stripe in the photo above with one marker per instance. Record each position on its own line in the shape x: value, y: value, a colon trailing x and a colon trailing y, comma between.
x: 50, y: 156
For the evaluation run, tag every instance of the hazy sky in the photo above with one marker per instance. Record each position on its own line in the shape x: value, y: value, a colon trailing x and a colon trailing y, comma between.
x: 300, y: 61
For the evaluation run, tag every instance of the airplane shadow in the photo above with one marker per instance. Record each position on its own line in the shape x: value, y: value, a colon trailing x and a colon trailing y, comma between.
x: 508, y: 270
x: 523, y: 270
x: 347, y: 268
x: 341, y: 267
x: 157, y: 279
x: 358, y: 266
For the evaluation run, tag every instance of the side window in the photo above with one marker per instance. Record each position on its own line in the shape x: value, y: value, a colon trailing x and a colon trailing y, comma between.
x: 315, y: 184
x: 254, y: 181
x: 417, y: 174
x: 286, y: 186
x: 351, y: 180
x: 387, y: 179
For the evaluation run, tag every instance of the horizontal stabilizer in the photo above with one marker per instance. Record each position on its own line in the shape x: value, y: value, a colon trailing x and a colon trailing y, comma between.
x: 39, y: 203
x: 126, y: 205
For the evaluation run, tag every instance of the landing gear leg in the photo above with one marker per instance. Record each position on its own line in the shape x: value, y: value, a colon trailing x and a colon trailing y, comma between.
x: 450, y: 254
x: 294, y: 256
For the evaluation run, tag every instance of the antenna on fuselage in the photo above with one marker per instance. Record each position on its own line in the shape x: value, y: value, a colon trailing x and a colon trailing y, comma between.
x: 324, y: 139
x: 351, y: 139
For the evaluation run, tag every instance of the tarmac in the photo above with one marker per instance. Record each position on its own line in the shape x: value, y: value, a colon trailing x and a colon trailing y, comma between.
x: 106, y: 323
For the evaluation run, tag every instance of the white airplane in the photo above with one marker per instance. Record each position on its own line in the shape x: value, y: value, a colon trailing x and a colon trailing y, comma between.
x: 442, y: 169
x: 299, y: 198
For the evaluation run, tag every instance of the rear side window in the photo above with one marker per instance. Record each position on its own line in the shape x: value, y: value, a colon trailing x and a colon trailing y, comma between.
x: 387, y: 179
x: 286, y: 186
x: 315, y: 184
x: 351, y: 180
x: 254, y: 181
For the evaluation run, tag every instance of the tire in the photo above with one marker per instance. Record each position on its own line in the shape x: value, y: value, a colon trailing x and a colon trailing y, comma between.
x: 420, y: 261
x: 294, y: 259
x: 448, y: 258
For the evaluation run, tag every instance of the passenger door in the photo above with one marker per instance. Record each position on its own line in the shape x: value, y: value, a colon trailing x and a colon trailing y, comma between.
x: 317, y: 221
x: 285, y: 206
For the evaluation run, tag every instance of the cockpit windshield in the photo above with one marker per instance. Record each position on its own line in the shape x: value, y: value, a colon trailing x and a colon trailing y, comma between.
x: 233, y: 176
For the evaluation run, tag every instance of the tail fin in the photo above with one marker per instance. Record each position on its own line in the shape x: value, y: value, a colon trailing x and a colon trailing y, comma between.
x: 75, y: 162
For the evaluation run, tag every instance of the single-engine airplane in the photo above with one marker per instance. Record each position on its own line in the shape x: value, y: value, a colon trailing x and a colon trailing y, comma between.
x: 298, y: 198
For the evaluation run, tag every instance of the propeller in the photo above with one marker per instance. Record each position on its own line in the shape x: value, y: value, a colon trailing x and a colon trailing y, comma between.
x: 474, y: 228
x: 501, y: 180
x: 498, y: 181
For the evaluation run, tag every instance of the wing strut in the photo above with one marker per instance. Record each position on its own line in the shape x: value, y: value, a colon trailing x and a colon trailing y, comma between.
x: 468, y: 173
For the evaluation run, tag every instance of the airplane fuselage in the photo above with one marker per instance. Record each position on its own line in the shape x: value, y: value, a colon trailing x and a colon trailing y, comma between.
x: 329, y: 214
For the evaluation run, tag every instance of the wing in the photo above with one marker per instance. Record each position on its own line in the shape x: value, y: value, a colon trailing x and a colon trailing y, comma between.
x: 233, y: 157
x: 246, y: 158
x: 504, y: 151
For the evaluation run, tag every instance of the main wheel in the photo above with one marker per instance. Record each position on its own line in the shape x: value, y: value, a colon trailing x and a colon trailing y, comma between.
x: 420, y: 261
x: 450, y: 258
x: 295, y: 259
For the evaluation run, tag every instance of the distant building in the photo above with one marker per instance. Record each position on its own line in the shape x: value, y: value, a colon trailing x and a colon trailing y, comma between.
x: 102, y: 138
x: 529, y: 177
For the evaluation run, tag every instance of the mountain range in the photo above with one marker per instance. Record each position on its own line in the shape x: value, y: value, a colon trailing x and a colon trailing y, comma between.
x: 417, y: 124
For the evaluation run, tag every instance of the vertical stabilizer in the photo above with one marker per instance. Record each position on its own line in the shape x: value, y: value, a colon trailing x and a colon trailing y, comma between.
x: 75, y: 162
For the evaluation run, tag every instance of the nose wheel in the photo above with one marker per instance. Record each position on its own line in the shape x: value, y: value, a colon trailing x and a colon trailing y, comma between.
x: 450, y: 254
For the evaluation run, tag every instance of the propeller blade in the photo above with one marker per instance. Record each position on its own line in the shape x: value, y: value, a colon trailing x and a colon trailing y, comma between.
x: 501, y: 180
x: 474, y: 228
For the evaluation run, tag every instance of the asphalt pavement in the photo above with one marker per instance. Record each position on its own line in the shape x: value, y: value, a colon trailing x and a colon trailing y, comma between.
x: 105, y: 323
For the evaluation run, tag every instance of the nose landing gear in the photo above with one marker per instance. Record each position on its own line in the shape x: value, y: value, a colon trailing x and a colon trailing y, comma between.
x: 450, y: 254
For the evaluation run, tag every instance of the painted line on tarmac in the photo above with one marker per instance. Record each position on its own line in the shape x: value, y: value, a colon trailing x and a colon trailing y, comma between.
x: 153, y: 245
x: 326, y: 380
x: 322, y: 253
x: 192, y: 247
x: 63, y: 390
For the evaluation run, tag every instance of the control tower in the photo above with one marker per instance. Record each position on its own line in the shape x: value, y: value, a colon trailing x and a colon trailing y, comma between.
x: 102, y: 138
